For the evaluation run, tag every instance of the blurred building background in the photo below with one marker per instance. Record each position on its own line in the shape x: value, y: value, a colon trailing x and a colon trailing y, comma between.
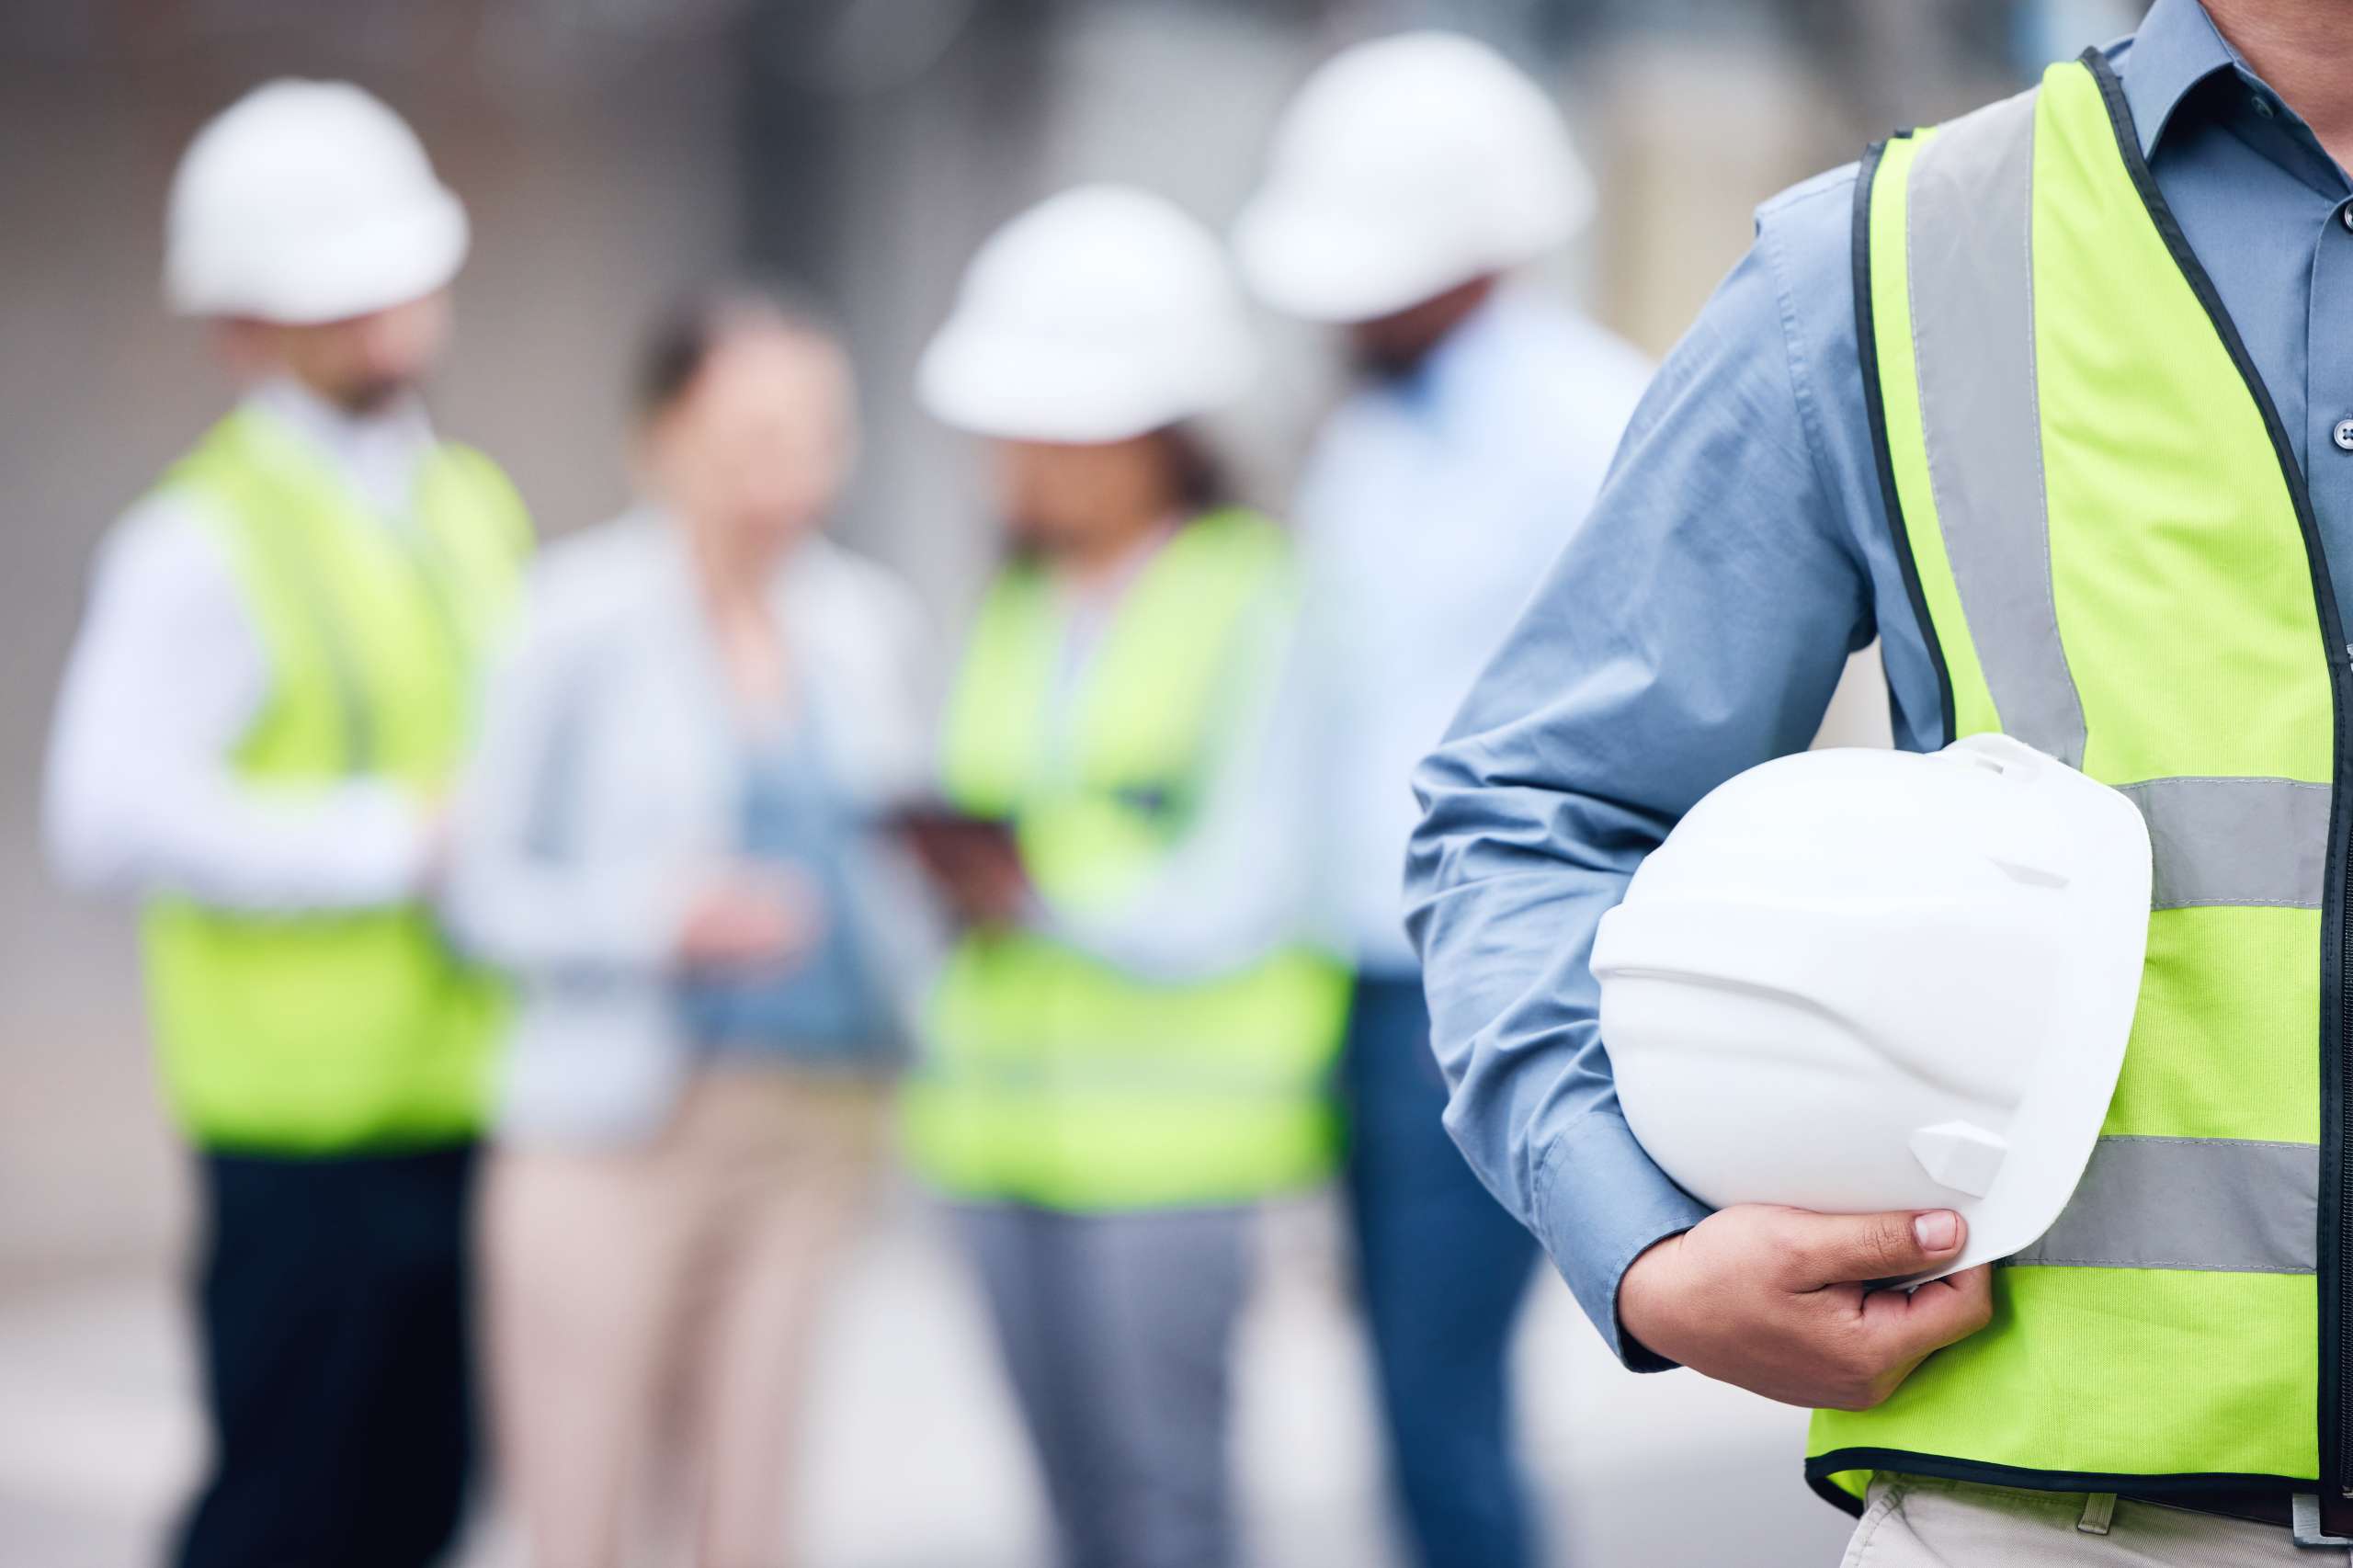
x: 611, y: 151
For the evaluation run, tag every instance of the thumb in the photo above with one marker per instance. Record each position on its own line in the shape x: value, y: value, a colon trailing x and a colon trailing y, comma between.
x: 1847, y: 1249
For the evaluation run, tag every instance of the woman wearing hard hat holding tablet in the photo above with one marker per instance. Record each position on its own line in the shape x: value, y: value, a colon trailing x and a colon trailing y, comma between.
x: 1128, y: 1048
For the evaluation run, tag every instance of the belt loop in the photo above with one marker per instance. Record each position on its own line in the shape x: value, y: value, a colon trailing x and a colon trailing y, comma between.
x: 2306, y: 1511
x: 2099, y: 1508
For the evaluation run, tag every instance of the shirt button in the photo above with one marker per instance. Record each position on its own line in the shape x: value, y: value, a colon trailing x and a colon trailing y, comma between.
x: 2343, y: 434
x: 2262, y: 104
x: 2345, y: 215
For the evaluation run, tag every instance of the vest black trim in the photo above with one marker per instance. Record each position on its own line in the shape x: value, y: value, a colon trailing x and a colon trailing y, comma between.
x: 1867, y: 349
x: 2188, y: 1487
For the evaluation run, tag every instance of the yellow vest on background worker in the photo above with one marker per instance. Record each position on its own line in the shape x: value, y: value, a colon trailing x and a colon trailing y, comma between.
x: 1054, y: 1078
x: 325, y: 1032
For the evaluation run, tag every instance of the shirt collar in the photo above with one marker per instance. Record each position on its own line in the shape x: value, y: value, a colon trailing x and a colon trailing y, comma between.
x: 2176, y: 48
x: 338, y: 430
x: 376, y: 452
x: 1459, y: 359
x: 2177, y: 53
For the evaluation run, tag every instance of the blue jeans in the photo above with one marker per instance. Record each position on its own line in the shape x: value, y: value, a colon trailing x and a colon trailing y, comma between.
x: 1443, y: 1269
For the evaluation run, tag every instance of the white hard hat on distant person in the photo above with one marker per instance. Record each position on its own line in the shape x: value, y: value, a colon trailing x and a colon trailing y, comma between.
x: 306, y: 202
x: 1858, y: 981
x: 1098, y: 314
x: 1405, y: 166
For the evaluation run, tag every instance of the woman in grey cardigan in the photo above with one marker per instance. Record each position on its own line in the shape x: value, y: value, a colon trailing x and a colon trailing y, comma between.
x: 669, y: 837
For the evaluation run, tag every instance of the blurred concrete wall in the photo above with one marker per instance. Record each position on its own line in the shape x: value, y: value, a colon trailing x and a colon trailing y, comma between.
x: 612, y: 151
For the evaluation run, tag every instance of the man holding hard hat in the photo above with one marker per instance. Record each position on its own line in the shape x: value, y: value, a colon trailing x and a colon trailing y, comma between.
x: 2050, y: 400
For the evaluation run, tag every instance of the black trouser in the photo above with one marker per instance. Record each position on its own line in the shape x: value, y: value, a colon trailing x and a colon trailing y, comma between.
x: 332, y: 1306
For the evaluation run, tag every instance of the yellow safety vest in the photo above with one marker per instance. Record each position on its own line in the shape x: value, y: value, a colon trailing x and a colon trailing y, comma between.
x: 2110, y: 547
x: 1052, y: 1077
x: 320, y: 1033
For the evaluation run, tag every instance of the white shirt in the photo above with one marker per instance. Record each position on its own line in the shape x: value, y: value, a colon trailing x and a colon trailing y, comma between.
x: 1430, y: 509
x: 168, y: 673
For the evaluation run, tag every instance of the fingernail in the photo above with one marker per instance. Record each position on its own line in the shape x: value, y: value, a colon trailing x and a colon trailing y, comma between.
x: 1937, y: 1229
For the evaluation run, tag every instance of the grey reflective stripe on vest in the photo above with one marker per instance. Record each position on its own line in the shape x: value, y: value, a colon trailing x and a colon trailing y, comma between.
x: 1970, y: 273
x: 1970, y: 276
x: 2218, y: 1204
x: 2235, y: 841
x: 278, y: 531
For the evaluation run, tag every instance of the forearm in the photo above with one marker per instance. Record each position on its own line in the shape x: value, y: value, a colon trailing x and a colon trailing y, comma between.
x: 200, y: 834
x: 1695, y: 626
x: 1208, y: 914
x: 1505, y: 933
x: 541, y: 919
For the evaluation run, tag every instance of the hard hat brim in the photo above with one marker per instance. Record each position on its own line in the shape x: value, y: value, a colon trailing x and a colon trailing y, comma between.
x: 1332, y: 268
x: 395, y: 257
x: 1011, y: 388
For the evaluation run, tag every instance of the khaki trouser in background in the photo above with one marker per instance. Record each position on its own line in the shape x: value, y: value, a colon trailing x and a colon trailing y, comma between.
x: 666, y: 1290
x: 1913, y: 1522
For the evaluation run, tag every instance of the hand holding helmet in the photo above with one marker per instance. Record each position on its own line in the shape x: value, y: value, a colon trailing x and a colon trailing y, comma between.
x: 1872, y: 1005
x: 1774, y: 1300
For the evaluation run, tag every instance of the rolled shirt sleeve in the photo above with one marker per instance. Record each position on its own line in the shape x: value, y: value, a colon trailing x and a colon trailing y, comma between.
x: 1694, y: 627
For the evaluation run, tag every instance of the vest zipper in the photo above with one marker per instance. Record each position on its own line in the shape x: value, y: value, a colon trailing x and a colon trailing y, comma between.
x: 2336, y: 1197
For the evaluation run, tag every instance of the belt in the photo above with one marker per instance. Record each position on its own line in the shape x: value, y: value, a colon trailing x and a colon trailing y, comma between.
x: 2302, y: 1514
x: 2254, y: 1505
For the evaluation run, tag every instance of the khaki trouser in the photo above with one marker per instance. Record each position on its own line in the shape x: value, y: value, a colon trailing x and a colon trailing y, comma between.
x: 669, y: 1288
x: 1911, y: 1522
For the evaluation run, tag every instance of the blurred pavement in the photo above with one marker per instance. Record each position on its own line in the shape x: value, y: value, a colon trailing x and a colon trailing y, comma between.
x: 912, y: 1461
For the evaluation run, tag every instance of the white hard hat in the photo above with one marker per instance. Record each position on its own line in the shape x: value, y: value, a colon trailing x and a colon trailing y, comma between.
x: 307, y: 201
x: 1100, y: 313
x: 1407, y: 165
x: 1854, y: 981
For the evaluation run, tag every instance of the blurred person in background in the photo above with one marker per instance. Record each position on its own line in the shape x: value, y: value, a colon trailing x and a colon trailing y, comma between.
x: 266, y: 702
x: 668, y: 834
x: 1411, y: 177
x: 1130, y: 1046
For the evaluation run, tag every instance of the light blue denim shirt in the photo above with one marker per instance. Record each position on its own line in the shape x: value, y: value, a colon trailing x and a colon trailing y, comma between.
x: 1427, y: 511
x: 1696, y: 625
